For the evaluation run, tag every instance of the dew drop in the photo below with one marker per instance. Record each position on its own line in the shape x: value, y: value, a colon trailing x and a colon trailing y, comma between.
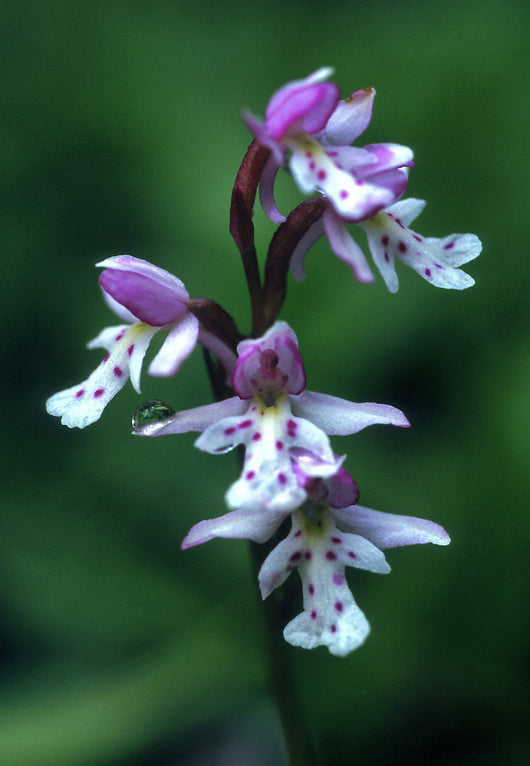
x: 152, y: 412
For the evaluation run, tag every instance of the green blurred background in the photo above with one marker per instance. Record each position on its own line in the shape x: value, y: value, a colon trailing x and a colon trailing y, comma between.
x: 122, y: 134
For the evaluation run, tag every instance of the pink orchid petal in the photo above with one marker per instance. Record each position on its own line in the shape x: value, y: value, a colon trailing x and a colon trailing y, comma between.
x: 350, y: 118
x: 388, y: 530
x: 338, y: 417
x: 196, y: 419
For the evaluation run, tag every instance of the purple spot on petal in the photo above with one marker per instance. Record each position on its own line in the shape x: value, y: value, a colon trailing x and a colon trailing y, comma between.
x: 295, y: 556
x: 256, y: 437
x: 99, y: 392
x: 336, y: 540
x: 130, y: 349
x: 384, y: 240
x: 322, y: 175
x: 229, y: 431
x: 333, y: 628
x: 250, y: 475
x: 311, y: 589
x: 402, y: 247
x: 297, y: 534
x: 344, y: 194
x: 118, y: 371
x: 438, y: 265
x: 308, y: 555
x: 338, y: 578
x: 313, y: 614
x: 387, y: 257
x: 338, y: 606
x: 80, y: 393
x: 106, y: 358
x: 352, y: 555
x: 312, y: 165
x: 399, y: 223
x: 279, y: 445
x: 449, y: 245
x: 428, y: 272
x: 120, y: 336
x: 282, y: 478
x: 245, y: 424
x: 417, y: 238
x: 331, y: 556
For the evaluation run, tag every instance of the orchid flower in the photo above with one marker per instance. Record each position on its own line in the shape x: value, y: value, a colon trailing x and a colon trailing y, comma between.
x: 321, y: 543
x: 149, y: 300
x: 284, y: 431
x: 307, y: 118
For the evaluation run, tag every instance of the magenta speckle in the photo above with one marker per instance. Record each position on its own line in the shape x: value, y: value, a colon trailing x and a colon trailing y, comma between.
x: 119, y: 337
x: 291, y: 424
x: 297, y: 534
x: 309, y: 154
x: 80, y: 393
x: 322, y: 175
x: 250, y: 475
x: 295, y: 556
x: 352, y: 555
x: 344, y: 194
x: 331, y: 556
x: 399, y: 223
x: 118, y: 371
x: 333, y: 628
x: 332, y: 154
x: 311, y: 589
x: 338, y: 606
x: 282, y: 478
x: 336, y: 540
x: 428, y: 272
x: 338, y: 579
x: 308, y: 555
x: 312, y: 165
x: 279, y: 445
x: 256, y: 437
x: 387, y: 257
x: 229, y: 431
x: 438, y: 265
x: 402, y: 247
x: 313, y: 614
x: 106, y: 358
x: 417, y: 238
x: 449, y: 245
x: 385, y: 240
x: 245, y: 424
x: 98, y: 392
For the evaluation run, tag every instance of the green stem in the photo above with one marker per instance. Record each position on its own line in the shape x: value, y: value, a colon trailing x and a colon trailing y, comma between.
x: 297, y: 737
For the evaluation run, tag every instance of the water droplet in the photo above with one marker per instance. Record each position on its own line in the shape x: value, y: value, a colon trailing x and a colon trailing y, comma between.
x: 151, y: 412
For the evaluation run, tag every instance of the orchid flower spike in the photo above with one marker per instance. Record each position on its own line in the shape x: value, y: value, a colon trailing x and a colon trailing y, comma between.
x: 284, y: 430
x: 149, y: 300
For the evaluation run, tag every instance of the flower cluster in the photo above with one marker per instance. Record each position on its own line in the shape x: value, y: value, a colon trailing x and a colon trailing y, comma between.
x: 293, y: 490
x: 360, y: 185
